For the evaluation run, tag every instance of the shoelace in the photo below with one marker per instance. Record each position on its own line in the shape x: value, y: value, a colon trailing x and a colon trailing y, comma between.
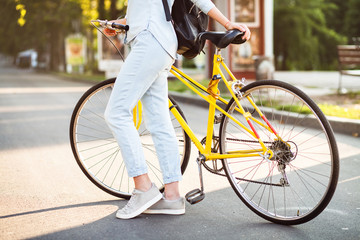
x: 131, y: 201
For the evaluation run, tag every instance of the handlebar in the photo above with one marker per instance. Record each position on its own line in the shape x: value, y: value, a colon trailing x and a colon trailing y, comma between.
x: 113, y: 25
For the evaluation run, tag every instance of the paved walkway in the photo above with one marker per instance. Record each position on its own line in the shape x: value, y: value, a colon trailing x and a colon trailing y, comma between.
x: 318, y: 82
x: 314, y: 83
x: 311, y: 82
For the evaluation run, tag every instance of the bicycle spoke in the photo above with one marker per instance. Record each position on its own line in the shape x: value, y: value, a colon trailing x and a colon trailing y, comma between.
x: 98, y: 153
x: 293, y: 186
x: 95, y: 129
x: 112, y: 183
x: 98, y: 146
x: 110, y: 165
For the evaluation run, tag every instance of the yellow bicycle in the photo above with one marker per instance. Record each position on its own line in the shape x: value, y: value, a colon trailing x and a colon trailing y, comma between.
x: 274, y: 144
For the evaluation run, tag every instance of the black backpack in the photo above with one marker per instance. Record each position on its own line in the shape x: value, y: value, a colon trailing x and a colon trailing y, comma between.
x: 188, y: 21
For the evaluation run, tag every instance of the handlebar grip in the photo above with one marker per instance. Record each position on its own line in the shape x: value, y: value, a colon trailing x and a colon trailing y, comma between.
x: 120, y: 26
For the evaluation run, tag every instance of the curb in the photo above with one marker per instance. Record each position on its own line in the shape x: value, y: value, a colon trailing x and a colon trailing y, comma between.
x: 339, y: 125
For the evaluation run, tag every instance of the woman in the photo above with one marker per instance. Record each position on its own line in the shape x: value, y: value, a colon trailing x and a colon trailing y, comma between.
x: 144, y: 76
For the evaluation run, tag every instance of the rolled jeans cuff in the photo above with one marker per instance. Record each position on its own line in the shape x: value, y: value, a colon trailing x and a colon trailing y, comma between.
x: 137, y: 172
x: 177, y: 178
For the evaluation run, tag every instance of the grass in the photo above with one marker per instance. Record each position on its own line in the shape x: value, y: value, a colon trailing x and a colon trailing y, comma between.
x: 280, y: 106
x: 81, y: 77
x: 327, y: 109
x: 337, y: 111
x: 178, y: 86
x: 295, y: 108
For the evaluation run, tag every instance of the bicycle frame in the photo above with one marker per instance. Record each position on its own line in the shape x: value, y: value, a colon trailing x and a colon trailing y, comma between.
x: 213, y: 96
x: 288, y: 180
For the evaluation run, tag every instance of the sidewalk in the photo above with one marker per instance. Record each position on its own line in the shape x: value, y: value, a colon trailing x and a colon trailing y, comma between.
x: 313, y: 83
x: 318, y: 82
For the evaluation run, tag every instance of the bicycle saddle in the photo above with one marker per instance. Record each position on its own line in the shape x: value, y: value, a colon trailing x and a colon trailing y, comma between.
x: 222, y: 39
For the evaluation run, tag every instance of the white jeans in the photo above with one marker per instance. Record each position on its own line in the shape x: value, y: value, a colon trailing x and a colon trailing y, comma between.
x: 144, y: 76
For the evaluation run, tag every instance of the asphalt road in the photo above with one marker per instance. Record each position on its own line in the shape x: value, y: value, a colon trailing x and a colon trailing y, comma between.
x: 44, y: 195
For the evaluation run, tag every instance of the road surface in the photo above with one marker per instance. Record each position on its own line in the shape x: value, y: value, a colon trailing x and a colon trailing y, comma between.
x: 44, y: 194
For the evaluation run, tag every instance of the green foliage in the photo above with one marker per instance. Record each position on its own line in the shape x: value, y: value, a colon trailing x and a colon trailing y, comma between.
x: 306, y: 31
x: 352, y: 20
x: 46, y: 23
x: 188, y: 63
x: 303, y: 41
x: 177, y: 86
x: 9, y: 28
x: 295, y: 108
x: 283, y: 107
x: 327, y: 109
x: 81, y: 77
x: 335, y: 16
x: 337, y: 111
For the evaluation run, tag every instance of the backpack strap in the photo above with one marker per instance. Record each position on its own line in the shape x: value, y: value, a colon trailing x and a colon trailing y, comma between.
x: 167, y: 10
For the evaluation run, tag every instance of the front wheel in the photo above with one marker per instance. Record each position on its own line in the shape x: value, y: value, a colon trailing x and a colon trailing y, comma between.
x: 298, y: 182
x: 97, y: 152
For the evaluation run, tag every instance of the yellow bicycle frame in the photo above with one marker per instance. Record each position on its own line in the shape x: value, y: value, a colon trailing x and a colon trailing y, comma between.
x: 213, y: 96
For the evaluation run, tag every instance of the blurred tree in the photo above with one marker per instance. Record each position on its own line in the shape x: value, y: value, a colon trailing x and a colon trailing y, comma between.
x: 101, y: 9
x: 9, y: 28
x: 303, y: 41
x: 335, y: 15
x: 111, y: 9
x: 44, y: 24
x: 352, y: 20
x: 52, y: 21
x: 345, y: 19
x: 114, y: 12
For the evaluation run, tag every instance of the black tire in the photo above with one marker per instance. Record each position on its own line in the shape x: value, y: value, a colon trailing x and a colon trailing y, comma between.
x: 96, y: 150
x: 309, y: 157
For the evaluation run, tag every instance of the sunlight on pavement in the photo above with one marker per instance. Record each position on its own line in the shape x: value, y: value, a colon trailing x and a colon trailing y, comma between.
x: 28, y: 108
x: 35, y: 223
x: 43, y: 90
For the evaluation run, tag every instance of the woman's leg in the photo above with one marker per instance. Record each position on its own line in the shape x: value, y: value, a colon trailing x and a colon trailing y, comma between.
x: 158, y: 122
x: 137, y: 76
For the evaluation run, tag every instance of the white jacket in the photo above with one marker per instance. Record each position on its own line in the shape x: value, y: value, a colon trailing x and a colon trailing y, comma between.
x: 150, y: 15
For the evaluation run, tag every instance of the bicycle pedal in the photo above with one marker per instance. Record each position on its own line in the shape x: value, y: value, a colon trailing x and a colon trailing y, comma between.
x: 195, y: 196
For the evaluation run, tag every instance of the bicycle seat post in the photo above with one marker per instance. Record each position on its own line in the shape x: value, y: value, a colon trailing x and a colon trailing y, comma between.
x: 218, y: 51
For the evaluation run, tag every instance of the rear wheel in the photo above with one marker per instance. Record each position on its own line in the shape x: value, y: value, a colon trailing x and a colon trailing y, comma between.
x: 298, y: 182
x: 97, y: 152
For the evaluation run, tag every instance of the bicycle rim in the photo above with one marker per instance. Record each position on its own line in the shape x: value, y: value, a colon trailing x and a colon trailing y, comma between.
x: 97, y: 152
x: 297, y: 183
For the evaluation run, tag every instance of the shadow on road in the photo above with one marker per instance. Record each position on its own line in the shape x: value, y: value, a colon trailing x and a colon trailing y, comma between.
x: 214, y: 218
x: 110, y: 202
x: 220, y: 216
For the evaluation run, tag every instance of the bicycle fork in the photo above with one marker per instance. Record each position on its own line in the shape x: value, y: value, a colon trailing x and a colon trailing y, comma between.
x: 197, y: 195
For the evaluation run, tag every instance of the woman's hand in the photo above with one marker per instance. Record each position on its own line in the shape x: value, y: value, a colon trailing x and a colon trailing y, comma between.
x: 220, y: 18
x: 111, y: 32
x: 242, y: 27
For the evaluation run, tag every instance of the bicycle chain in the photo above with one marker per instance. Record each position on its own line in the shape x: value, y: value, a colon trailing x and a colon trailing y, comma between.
x: 248, y: 141
x: 218, y: 172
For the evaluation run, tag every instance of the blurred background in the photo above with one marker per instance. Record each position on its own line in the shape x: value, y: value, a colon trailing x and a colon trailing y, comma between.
x: 46, y: 46
x: 39, y: 33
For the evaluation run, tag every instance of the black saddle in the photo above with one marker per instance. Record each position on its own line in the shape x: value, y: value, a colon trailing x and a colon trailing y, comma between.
x: 222, y: 39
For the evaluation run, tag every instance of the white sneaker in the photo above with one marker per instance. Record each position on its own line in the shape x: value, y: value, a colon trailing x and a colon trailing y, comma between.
x: 139, y: 202
x: 172, y: 207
